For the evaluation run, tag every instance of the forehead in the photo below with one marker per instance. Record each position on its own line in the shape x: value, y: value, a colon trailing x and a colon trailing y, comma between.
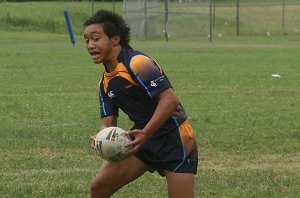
x: 94, y: 29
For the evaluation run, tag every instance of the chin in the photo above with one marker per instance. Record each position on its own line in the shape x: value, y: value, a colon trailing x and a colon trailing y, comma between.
x: 97, y: 61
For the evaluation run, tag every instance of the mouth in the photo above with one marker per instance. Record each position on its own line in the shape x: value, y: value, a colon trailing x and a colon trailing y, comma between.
x: 95, y: 55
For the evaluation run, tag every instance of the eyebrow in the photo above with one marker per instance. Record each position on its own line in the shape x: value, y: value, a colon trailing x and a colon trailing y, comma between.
x: 92, y: 33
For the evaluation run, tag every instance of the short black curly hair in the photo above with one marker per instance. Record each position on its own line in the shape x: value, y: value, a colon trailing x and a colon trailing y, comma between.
x: 114, y: 25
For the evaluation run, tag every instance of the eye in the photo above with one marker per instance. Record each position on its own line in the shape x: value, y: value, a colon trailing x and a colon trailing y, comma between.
x: 86, y: 40
x: 95, y: 39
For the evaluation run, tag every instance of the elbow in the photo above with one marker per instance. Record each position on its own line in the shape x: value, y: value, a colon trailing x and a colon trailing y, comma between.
x: 173, y: 103
x: 169, y: 100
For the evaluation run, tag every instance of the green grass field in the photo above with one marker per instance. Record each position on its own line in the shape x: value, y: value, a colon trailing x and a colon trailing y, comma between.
x: 246, y: 121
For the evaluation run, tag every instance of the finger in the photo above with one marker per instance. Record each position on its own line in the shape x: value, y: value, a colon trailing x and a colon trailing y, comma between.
x: 93, y: 138
x: 129, y: 133
x: 131, y: 152
x: 93, y: 145
x: 133, y: 132
x: 132, y: 143
x: 93, y: 142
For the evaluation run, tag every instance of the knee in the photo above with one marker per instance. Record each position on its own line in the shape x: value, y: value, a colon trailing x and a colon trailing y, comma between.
x: 98, y: 187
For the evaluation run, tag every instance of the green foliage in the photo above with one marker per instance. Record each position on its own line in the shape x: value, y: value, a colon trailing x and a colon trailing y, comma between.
x: 48, y: 16
x: 256, y: 17
x: 47, y: 24
x: 55, y: 0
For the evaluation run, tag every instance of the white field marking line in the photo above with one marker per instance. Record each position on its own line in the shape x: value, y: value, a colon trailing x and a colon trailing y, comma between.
x: 47, y: 94
x: 43, y: 124
x: 47, y: 171
x: 295, y: 166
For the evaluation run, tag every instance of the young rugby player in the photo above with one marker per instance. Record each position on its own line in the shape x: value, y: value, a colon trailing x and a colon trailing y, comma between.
x: 135, y: 83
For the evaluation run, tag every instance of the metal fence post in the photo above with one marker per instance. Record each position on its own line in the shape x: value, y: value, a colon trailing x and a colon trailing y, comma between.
x: 210, y: 20
x: 145, y: 18
x: 237, y: 17
x: 283, y: 17
x: 166, y: 19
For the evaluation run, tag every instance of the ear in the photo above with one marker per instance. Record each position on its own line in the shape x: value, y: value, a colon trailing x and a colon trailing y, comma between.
x: 115, y: 40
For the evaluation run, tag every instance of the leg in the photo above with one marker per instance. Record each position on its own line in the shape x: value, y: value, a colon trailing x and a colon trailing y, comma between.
x: 113, y: 176
x: 180, y: 185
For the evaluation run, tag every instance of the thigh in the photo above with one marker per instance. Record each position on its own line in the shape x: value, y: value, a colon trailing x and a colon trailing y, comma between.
x: 113, y: 176
x: 180, y: 184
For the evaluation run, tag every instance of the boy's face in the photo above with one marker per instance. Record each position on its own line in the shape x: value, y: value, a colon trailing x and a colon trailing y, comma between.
x: 98, y: 44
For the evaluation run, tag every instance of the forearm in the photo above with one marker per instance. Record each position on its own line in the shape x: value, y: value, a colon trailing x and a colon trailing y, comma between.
x: 167, y: 104
x: 108, y: 122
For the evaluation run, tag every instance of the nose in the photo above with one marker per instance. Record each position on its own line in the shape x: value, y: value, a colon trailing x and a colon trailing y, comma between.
x: 90, y: 44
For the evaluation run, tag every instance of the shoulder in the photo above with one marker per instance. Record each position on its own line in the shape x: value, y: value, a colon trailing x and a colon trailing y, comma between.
x: 134, y: 57
x: 140, y: 59
x: 143, y: 63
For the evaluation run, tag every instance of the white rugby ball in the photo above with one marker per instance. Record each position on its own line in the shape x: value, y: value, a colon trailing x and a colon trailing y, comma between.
x: 111, y: 144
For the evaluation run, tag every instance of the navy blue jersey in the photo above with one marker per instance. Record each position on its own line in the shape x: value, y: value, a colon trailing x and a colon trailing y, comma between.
x: 133, y: 87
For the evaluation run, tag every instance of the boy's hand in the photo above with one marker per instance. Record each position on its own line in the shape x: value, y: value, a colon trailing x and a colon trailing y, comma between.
x: 93, y: 141
x: 140, y: 139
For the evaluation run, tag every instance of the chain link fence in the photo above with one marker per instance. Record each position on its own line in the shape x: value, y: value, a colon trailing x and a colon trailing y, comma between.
x: 210, y: 18
x: 165, y: 19
x: 256, y: 17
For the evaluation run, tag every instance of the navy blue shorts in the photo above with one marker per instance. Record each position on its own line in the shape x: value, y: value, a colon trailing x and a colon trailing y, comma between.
x: 175, y: 151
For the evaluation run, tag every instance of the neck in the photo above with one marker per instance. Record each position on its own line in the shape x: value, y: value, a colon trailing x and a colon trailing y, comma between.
x: 112, y: 64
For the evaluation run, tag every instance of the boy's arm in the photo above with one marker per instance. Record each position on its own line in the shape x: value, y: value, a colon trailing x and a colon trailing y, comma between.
x: 167, y: 104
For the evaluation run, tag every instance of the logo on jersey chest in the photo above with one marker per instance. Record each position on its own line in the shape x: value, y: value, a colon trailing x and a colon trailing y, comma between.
x: 111, y: 94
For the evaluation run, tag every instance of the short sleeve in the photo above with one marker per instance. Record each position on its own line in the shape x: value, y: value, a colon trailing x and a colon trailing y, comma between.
x: 107, y: 108
x: 149, y: 75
